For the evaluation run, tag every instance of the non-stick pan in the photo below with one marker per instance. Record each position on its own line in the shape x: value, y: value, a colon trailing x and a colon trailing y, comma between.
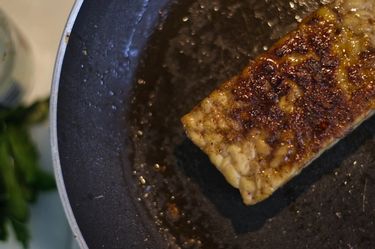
x: 128, y: 176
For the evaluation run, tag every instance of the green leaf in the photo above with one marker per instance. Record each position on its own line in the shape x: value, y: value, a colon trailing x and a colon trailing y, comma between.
x: 3, y: 229
x: 45, y: 181
x: 22, y: 233
x: 3, y: 215
x: 35, y: 113
x: 29, y: 193
x: 24, y: 153
x: 16, y: 205
x: 21, y: 179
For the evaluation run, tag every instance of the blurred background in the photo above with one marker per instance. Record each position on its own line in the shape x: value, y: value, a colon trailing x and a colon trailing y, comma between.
x: 40, y: 24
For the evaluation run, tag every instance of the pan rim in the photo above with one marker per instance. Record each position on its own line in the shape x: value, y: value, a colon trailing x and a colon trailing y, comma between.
x: 53, y: 125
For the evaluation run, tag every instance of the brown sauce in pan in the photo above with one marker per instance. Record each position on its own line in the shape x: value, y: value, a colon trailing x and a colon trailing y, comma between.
x: 200, y: 45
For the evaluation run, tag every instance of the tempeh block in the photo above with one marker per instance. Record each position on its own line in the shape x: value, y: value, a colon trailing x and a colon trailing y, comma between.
x: 292, y: 103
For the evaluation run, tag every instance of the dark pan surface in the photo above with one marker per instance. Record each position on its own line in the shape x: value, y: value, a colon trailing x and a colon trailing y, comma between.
x: 132, y: 69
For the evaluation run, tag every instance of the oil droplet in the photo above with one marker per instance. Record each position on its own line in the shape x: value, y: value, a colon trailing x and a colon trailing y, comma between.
x: 192, y: 243
x: 272, y: 23
x: 141, y: 81
x: 298, y: 18
x: 157, y: 166
x: 142, y: 180
x: 265, y: 48
x: 185, y: 19
x: 292, y: 5
x: 140, y: 133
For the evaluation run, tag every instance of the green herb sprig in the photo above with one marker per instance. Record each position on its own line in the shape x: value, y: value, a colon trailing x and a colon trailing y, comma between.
x: 21, y: 178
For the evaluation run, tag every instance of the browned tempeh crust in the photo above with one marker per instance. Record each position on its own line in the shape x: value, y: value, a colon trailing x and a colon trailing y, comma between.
x: 262, y: 127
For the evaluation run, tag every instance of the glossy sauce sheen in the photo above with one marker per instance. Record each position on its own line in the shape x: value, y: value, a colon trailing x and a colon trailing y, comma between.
x: 291, y: 103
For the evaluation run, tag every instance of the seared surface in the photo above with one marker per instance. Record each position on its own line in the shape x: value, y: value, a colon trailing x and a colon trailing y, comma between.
x: 293, y: 102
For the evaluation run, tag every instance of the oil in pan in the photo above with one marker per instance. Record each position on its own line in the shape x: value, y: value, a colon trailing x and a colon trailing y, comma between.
x: 199, y: 45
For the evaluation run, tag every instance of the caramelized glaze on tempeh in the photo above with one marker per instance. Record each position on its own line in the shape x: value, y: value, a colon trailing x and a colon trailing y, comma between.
x: 262, y: 127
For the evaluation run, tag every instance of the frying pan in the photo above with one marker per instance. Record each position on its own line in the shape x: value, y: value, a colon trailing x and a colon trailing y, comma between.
x: 127, y: 175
